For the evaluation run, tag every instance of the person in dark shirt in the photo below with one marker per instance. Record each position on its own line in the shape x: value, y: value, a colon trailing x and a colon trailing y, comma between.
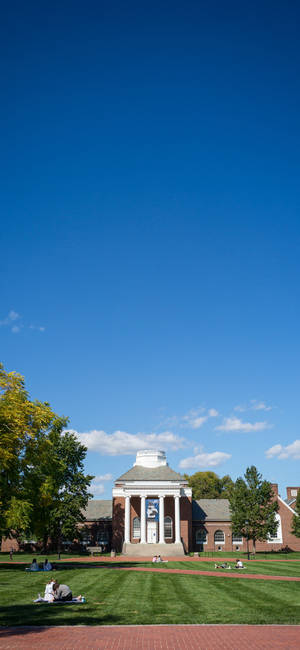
x: 63, y: 593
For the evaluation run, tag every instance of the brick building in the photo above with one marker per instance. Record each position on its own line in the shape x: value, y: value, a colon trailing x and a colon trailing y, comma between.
x: 152, y: 512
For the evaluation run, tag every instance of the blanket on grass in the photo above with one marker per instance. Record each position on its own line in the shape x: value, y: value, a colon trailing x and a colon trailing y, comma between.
x: 60, y: 602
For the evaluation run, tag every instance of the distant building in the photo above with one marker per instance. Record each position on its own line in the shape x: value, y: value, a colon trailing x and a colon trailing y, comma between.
x: 152, y: 512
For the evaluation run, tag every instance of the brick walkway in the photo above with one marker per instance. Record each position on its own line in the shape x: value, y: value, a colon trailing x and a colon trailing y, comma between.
x: 147, y: 637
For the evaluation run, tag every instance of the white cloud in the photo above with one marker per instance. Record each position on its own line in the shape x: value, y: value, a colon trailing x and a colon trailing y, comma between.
x: 196, y: 423
x: 96, y: 489
x: 254, y: 405
x: 12, y: 317
x: 235, y: 424
x: 204, y: 460
x: 123, y: 443
x: 195, y: 418
x: 102, y: 477
x: 290, y: 451
x: 37, y: 327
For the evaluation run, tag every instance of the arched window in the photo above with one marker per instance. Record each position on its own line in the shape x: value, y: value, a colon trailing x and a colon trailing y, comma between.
x: 201, y: 536
x: 136, y: 525
x: 277, y: 538
x: 168, y: 528
x: 219, y: 537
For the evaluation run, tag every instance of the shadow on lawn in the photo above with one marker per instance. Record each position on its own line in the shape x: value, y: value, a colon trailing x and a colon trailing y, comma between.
x: 69, y: 567
x: 14, y: 616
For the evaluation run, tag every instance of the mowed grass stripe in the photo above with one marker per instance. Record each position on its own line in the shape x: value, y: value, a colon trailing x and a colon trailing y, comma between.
x: 117, y: 597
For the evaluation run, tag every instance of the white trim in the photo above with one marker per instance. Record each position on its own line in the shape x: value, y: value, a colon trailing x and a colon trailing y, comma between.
x: 161, y: 520
x: 278, y: 538
x: 127, y: 520
x: 287, y: 506
x: 143, y: 520
x: 177, y: 519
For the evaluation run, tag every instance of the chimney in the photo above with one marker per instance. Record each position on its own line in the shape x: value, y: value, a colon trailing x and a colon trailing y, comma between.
x: 291, y: 492
x: 275, y: 488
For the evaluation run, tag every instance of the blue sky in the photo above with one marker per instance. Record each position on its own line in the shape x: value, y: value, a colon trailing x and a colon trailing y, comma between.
x: 151, y: 234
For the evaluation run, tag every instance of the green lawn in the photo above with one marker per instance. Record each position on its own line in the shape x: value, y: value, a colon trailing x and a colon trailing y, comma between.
x: 259, y: 556
x: 266, y: 568
x: 116, y: 597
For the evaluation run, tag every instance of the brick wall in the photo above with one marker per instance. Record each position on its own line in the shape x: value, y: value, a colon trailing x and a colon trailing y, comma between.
x: 288, y: 539
x: 186, y: 522
x: 118, y: 523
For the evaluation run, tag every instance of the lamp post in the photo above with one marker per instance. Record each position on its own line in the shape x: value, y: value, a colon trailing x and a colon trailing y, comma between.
x: 59, y: 539
x: 247, y: 524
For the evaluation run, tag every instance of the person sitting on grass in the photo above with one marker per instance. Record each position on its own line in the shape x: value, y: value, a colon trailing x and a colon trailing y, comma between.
x: 49, y: 595
x: 47, y: 566
x: 239, y: 564
x: 154, y: 559
x: 63, y: 593
x: 34, y: 566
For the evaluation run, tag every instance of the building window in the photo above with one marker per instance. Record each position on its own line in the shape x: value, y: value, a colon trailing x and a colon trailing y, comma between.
x: 219, y: 537
x: 277, y: 538
x: 136, y: 528
x: 201, y: 536
x: 168, y: 528
x: 102, y: 537
x: 237, y: 539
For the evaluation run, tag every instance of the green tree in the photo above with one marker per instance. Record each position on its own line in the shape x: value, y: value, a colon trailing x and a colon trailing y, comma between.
x: 253, y: 507
x: 208, y: 485
x: 41, y: 466
x: 296, y: 517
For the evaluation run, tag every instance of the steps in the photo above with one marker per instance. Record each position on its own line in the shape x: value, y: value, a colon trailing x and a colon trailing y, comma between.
x: 148, y: 550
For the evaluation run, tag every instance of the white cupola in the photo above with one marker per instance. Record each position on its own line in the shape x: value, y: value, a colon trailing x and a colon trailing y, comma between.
x: 151, y: 458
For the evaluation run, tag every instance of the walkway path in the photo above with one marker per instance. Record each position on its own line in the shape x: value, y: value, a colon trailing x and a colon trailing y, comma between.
x: 156, y: 637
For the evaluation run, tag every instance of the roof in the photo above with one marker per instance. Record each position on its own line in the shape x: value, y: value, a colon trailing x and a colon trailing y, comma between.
x: 140, y: 473
x: 211, y: 510
x: 290, y: 501
x: 98, y: 509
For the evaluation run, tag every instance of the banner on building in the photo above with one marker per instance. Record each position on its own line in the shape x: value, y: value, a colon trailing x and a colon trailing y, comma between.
x: 152, y: 509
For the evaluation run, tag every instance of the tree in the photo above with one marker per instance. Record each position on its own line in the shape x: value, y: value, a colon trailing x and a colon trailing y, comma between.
x: 41, y: 465
x: 208, y: 485
x: 296, y: 517
x: 253, y: 507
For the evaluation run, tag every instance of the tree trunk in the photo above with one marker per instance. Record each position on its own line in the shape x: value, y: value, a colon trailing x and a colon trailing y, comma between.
x: 254, y: 546
x: 45, y: 542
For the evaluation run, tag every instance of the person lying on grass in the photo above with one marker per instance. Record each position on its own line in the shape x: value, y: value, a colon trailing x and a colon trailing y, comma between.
x: 223, y: 566
x: 63, y: 593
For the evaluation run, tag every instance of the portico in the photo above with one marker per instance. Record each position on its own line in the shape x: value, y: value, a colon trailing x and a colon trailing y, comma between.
x: 155, y: 504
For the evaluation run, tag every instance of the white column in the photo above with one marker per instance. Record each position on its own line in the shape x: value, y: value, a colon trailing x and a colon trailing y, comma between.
x: 177, y: 520
x: 161, y: 520
x: 127, y: 520
x: 143, y: 520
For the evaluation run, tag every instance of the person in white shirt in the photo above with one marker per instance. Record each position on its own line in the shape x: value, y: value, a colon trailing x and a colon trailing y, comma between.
x: 48, y: 595
x: 239, y: 564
